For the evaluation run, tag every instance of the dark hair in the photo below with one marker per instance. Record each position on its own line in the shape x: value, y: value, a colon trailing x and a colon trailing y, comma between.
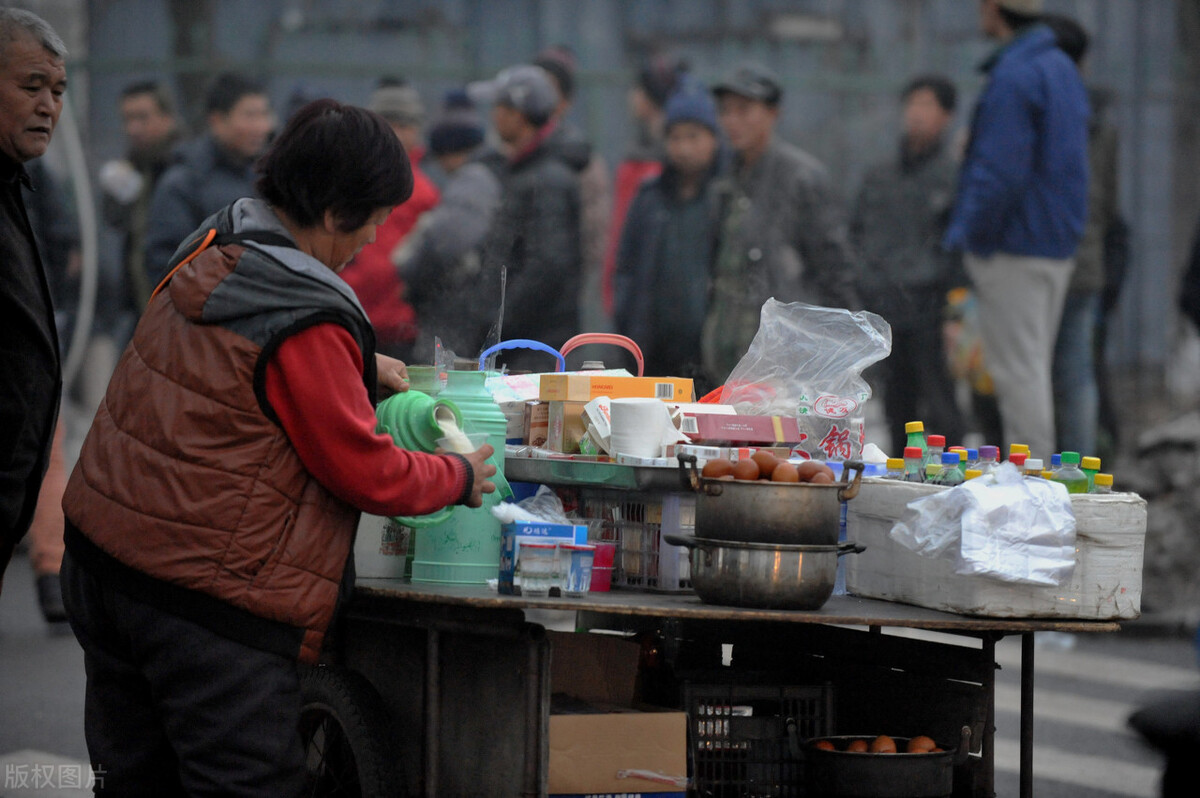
x: 559, y: 61
x: 1017, y: 20
x: 942, y: 88
x: 158, y: 92
x: 338, y: 158
x: 659, y: 77
x: 227, y: 89
x: 1071, y: 38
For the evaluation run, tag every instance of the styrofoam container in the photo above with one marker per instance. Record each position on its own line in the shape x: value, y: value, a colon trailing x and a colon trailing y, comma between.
x: 1110, y: 535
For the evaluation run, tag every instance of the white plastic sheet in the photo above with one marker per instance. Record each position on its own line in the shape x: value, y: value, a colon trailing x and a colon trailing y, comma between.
x: 1001, y: 525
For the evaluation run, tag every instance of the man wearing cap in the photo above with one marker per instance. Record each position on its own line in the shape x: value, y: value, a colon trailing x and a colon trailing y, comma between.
x: 371, y: 273
x: 440, y: 260
x: 782, y: 231
x: 1020, y: 210
x: 666, y: 246
x: 535, y: 236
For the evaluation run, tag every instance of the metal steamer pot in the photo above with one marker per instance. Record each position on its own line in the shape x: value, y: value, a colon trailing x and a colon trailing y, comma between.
x: 843, y: 774
x: 769, y: 512
x: 770, y: 576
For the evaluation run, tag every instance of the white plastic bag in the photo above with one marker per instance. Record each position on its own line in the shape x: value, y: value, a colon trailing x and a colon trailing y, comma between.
x: 1000, y: 525
x: 806, y: 362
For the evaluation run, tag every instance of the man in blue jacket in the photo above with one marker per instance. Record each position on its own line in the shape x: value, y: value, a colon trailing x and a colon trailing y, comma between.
x: 1020, y: 210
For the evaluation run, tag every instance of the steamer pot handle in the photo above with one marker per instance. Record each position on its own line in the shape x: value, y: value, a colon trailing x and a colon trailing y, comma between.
x: 691, y: 477
x: 687, y: 541
x: 850, y: 548
x: 849, y: 492
x: 964, y: 745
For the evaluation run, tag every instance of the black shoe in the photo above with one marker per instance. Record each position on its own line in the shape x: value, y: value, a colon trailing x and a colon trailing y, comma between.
x: 49, y: 591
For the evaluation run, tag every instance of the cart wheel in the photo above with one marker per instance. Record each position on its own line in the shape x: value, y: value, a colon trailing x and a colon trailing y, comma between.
x: 348, y: 744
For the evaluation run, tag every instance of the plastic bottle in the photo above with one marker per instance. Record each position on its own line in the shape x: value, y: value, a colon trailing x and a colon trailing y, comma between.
x: 1018, y: 459
x: 937, y: 447
x: 950, y: 475
x: 895, y: 468
x: 972, y: 473
x: 933, y: 473
x: 914, y: 464
x: 1047, y: 474
x: 1071, y: 475
x: 972, y: 459
x: 1033, y: 467
x: 961, y: 451
x: 989, y: 458
x: 915, y: 430
x: 1055, y: 461
x: 1090, y: 466
x: 1017, y: 448
x: 1103, y: 485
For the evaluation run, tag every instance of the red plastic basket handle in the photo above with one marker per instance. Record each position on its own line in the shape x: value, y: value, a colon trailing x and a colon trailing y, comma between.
x: 627, y: 344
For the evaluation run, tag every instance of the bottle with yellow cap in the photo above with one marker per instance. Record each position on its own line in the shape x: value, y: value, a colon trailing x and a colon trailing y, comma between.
x: 972, y: 473
x: 1103, y: 484
x: 895, y: 468
x: 1091, y: 467
x: 915, y: 430
x: 1017, y: 448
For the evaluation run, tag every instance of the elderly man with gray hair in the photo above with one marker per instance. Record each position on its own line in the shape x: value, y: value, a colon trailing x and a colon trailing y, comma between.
x: 33, y: 78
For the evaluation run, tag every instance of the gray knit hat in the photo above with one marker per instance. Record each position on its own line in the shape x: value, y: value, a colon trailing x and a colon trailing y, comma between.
x: 399, y: 104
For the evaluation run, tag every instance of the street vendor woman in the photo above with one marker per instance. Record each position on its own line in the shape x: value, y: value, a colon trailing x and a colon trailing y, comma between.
x: 210, y: 518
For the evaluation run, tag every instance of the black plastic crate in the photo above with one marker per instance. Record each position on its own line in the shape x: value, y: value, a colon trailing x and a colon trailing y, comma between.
x: 744, y: 738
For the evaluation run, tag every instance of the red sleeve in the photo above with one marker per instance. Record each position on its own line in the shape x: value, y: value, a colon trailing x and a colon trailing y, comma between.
x: 314, y: 384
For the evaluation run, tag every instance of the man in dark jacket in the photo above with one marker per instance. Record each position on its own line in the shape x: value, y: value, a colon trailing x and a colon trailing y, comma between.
x: 897, y: 226
x: 535, y: 235
x: 666, y: 246
x: 783, y: 230
x: 32, y: 81
x: 210, y: 172
x: 1020, y: 211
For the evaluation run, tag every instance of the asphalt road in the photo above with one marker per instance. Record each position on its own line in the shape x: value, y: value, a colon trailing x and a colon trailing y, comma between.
x: 1084, y: 693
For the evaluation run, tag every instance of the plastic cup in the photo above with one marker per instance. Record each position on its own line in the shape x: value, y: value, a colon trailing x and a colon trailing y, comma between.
x: 602, y: 567
x: 578, y: 558
x: 537, y: 564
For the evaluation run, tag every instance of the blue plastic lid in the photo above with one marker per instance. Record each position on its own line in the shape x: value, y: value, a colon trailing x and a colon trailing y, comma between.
x: 1055, y: 460
x: 951, y: 458
x: 972, y: 454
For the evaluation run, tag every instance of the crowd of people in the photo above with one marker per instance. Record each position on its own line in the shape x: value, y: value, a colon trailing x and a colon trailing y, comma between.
x: 274, y: 272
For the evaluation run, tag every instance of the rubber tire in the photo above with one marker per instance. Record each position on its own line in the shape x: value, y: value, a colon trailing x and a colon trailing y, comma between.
x: 341, y: 702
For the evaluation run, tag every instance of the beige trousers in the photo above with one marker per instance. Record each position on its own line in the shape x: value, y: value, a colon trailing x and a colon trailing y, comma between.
x: 1020, y: 305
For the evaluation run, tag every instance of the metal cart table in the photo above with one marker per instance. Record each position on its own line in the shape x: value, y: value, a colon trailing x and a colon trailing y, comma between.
x: 463, y: 675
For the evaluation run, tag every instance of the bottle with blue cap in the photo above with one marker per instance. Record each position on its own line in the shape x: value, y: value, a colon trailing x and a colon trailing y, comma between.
x: 949, y: 474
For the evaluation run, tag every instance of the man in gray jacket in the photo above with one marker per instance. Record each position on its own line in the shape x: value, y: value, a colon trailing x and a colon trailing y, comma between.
x: 782, y: 230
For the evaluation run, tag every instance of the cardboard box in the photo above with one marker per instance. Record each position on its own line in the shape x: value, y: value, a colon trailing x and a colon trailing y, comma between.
x: 588, y: 749
x: 1110, y: 533
x: 511, y: 537
x: 586, y: 387
x: 536, y: 423
x: 566, y: 426
x: 723, y: 430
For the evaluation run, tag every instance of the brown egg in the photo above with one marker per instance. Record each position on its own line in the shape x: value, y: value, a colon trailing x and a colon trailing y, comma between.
x: 820, y: 478
x: 745, y: 469
x: 824, y: 745
x: 883, y: 745
x: 715, y: 469
x: 857, y: 747
x: 937, y: 750
x: 785, y: 472
x: 766, y: 463
x: 807, y: 469
x: 920, y: 745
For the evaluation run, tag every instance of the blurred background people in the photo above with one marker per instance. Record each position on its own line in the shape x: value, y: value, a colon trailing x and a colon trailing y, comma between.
x: 33, y: 78
x: 595, y: 189
x: 1020, y: 211
x: 1076, y: 387
x: 372, y: 274
x: 896, y: 227
x: 440, y: 262
x: 666, y: 245
x: 657, y: 79
x: 783, y: 230
x: 533, y: 248
x: 211, y: 171
x: 152, y: 129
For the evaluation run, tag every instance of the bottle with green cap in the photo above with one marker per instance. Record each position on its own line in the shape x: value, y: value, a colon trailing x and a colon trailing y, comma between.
x: 915, y: 430
x: 1103, y: 484
x: 895, y: 468
x: 1090, y: 466
x: 1070, y: 475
